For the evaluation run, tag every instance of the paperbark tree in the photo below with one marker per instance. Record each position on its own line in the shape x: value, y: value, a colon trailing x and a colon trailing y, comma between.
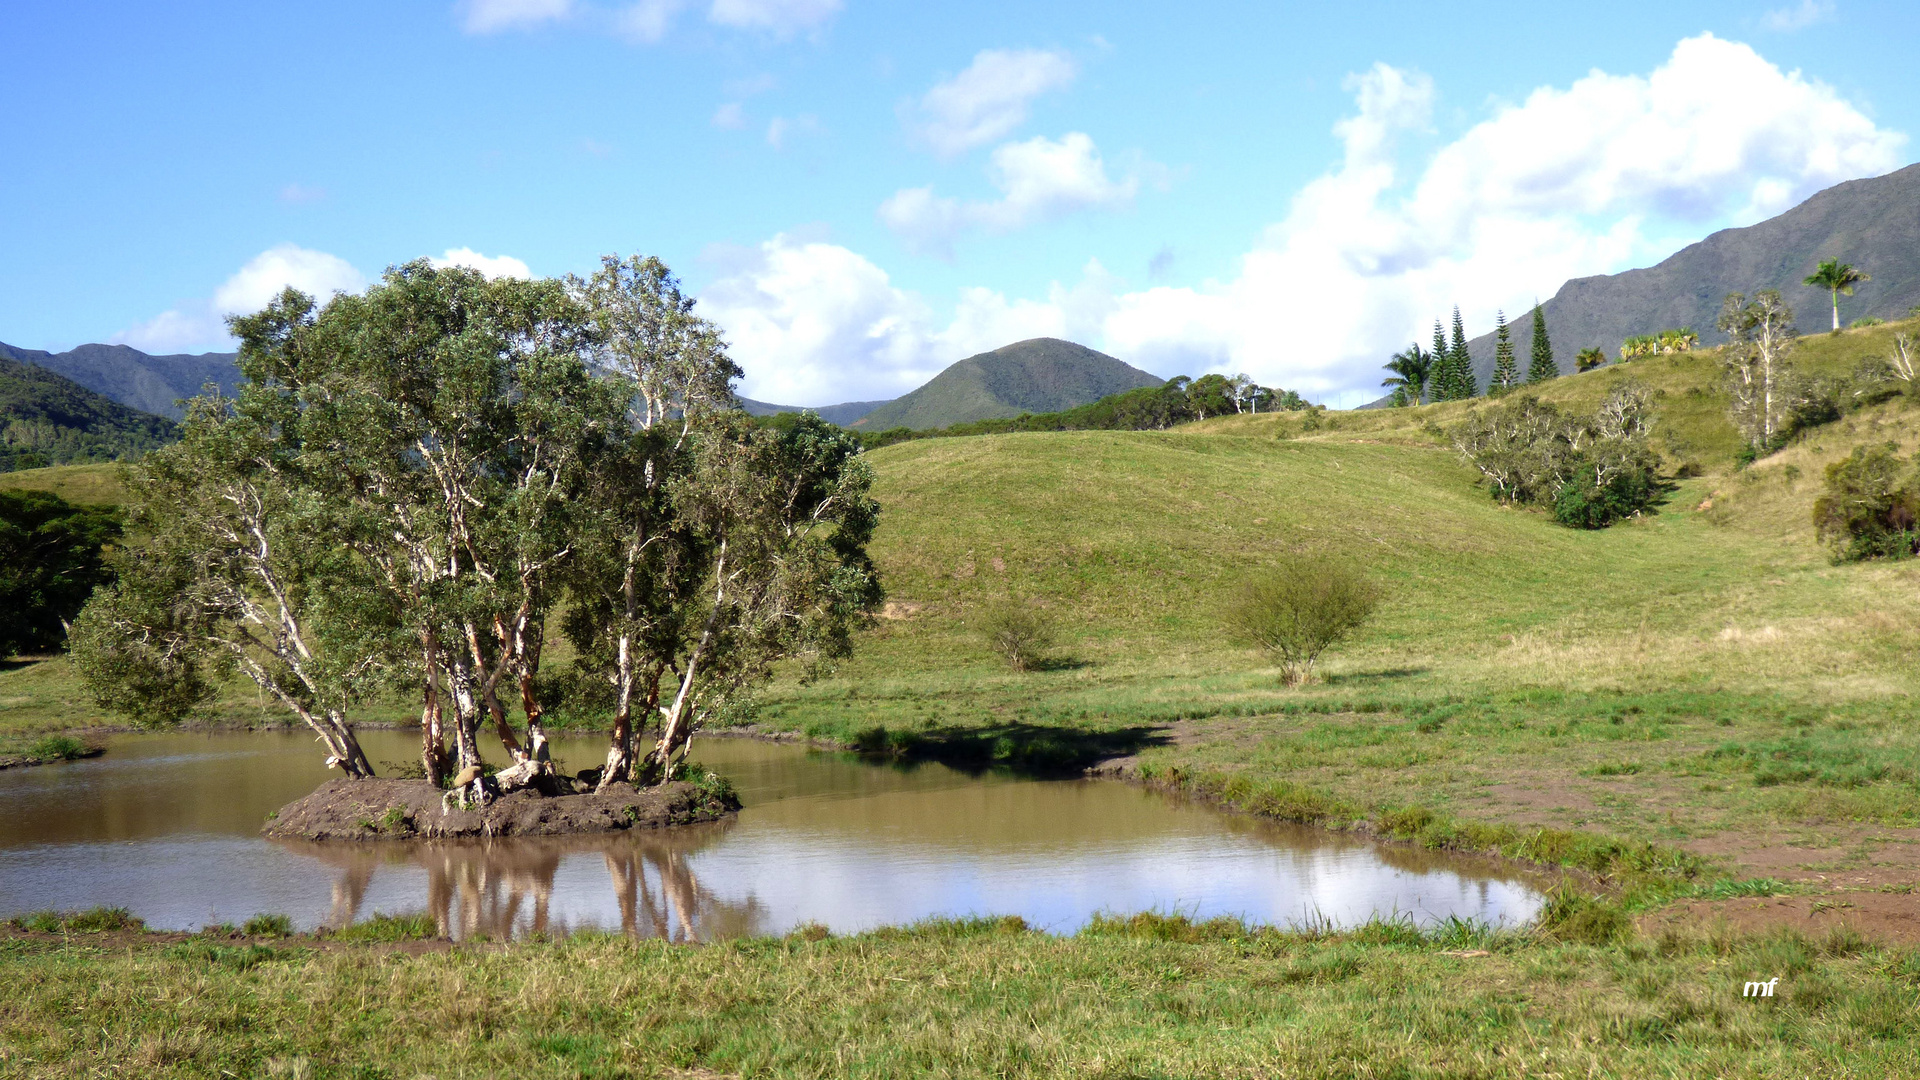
x: 1760, y: 336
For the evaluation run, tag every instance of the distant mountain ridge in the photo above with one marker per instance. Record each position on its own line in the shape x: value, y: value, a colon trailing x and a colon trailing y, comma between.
x: 135, y: 379
x: 1039, y: 375
x: 48, y: 419
x: 1874, y: 224
x: 843, y: 414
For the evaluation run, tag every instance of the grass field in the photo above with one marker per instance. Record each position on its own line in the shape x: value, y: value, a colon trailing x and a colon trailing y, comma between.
x: 1125, y: 998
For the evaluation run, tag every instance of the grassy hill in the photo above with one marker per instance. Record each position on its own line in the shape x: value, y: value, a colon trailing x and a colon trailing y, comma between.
x: 1035, y: 376
x: 46, y: 419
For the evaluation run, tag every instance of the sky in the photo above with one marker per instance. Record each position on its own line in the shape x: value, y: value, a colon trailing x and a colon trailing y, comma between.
x: 861, y: 193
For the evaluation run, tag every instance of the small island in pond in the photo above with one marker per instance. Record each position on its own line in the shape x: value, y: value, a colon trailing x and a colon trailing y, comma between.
x: 377, y: 809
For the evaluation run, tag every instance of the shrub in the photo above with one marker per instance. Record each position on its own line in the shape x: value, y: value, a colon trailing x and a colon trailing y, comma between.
x: 1870, y: 506
x: 57, y: 748
x: 1020, y: 632
x: 1300, y: 609
x: 268, y: 926
x: 1595, y: 499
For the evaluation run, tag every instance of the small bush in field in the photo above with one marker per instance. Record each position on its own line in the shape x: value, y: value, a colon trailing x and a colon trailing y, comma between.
x: 1020, y: 632
x: 1300, y: 609
x: 1870, y: 508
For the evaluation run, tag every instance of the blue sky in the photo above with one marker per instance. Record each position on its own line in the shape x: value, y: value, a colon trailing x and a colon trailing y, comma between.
x: 862, y: 193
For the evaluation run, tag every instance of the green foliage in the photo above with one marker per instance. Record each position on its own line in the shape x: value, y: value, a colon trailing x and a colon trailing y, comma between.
x: 1464, y: 385
x: 1665, y: 343
x: 268, y: 925
x: 1589, y: 358
x: 1299, y: 609
x: 1589, y: 470
x: 1540, y: 366
x: 381, y: 927
x: 56, y: 748
x: 1506, y: 371
x: 46, y: 419
x: 1571, y: 915
x: 52, y: 557
x: 1412, y: 369
x: 1870, y: 507
x: 92, y: 921
x: 1836, y: 277
x: 1019, y: 631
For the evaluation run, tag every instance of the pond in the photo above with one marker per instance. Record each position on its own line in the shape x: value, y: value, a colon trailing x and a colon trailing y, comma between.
x: 167, y: 825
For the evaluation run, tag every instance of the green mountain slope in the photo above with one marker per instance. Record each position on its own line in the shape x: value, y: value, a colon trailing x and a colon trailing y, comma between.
x: 843, y: 414
x: 138, y: 380
x: 1034, y: 376
x: 49, y: 420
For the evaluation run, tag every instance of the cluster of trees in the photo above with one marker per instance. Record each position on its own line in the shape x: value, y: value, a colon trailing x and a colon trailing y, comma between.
x: 1590, y: 471
x: 1870, y: 507
x: 1678, y: 340
x: 413, y: 482
x: 1148, y: 408
x: 52, y: 556
x: 1446, y: 372
x: 1771, y: 400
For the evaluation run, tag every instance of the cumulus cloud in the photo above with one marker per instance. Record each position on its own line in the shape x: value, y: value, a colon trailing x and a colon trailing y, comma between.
x: 1608, y: 172
x: 493, y: 266
x: 813, y: 323
x: 988, y: 100
x: 493, y: 16
x: 647, y: 21
x: 773, y: 16
x: 1039, y: 180
x: 1789, y: 19
x: 202, y: 323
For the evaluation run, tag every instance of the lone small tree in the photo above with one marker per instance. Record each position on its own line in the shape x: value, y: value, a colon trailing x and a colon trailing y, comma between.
x: 1300, y: 609
x: 1018, y: 631
x: 1760, y: 337
x: 1836, y: 277
x: 1411, y: 371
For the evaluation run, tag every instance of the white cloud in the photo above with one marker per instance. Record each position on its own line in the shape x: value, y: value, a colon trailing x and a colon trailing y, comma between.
x: 813, y: 323
x: 782, y: 130
x: 493, y: 16
x: 773, y: 16
x: 989, y: 99
x: 1039, y: 180
x: 1789, y: 19
x: 647, y: 21
x: 493, y: 266
x: 730, y: 116
x: 202, y: 323
x: 1608, y: 172
x: 297, y: 193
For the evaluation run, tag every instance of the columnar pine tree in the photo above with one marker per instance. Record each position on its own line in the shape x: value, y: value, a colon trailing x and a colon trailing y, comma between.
x: 1542, y: 368
x: 1462, y: 359
x: 1506, y: 372
x: 1440, y: 386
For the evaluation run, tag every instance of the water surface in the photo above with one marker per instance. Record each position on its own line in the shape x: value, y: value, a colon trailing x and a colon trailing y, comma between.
x: 167, y: 825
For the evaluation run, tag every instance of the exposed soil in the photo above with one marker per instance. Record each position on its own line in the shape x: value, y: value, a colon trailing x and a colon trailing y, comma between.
x: 415, y: 809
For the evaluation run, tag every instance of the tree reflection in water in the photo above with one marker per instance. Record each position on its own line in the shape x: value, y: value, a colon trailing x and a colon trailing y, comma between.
x: 503, y: 889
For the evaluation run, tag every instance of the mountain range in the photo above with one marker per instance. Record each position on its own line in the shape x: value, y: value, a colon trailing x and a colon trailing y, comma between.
x: 1039, y: 375
x: 47, y: 419
x: 152, y: 384
x: 1873, y: 224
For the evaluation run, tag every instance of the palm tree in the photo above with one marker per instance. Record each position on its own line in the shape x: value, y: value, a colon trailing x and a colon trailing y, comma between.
x: 1836, y: 277
x: 1411, y: 370
x: 1589, y: 358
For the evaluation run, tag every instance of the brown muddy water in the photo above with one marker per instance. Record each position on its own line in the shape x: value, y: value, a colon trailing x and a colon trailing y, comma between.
x: 167, y: 825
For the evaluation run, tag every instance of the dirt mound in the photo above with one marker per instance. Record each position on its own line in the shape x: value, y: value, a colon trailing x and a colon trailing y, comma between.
x: 410, y: 809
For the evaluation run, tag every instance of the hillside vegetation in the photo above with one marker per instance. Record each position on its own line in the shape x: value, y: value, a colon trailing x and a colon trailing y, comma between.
x: 152, y: 384
x: 46, y: 419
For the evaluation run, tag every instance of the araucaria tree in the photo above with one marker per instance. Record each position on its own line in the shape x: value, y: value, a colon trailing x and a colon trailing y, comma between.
x: 1541, y: 367
x: 1440, y: 381
x: 1506, y: 372
x: 1760, y: 336
x: 1836, y: 277
x: 1466, y: 385
x: 410, y: 479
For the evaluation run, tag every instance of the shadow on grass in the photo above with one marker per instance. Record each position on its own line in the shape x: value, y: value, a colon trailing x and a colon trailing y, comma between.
x: 1374, y: 676
x: 1027, y: 749
x: 1060, y: 663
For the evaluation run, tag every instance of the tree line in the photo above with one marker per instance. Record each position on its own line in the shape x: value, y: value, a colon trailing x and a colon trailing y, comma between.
x: 1147, y: 408
x: 1445, y: 373
x: 414, y: 487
